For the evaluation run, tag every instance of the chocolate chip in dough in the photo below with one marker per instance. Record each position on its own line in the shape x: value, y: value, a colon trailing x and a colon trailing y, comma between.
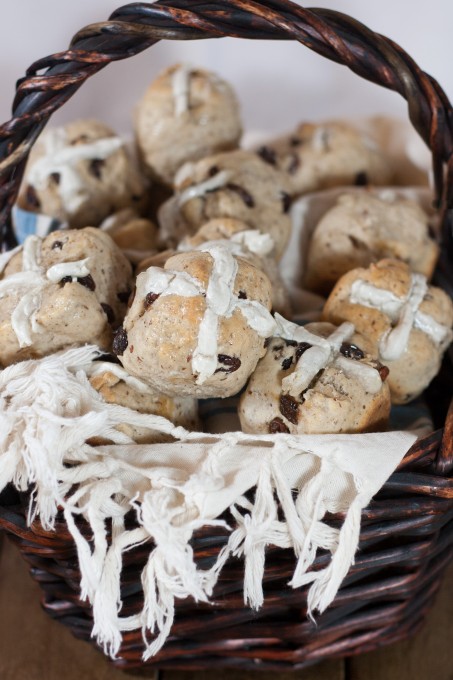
x: 357, y: 243
x: 243, y: 193
x: 268, y: 155
x: 87, y: 281
x: 277, y: 425
x: 294, y: 164
x: 361, y: 179
x: 301, y: 348
x: 286, y: 201
x: 383, y: 372
x: 230, y: 364
x: 351, y: 351
x: 289, y: 408
x: 286, y: 363
x: 123, y: 296
x: 120, y: 342
x: 96, y: 166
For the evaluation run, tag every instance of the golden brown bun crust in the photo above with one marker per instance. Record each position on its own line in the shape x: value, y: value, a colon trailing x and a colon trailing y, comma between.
x: 362, y: 228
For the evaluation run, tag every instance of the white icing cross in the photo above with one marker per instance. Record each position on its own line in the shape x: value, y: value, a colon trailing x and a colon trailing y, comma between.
x: 255, y: 241
x: 324, y: 352
x: 320, y: 138
x: 34, y: 279
x: 197, y: 190
x: 61, y: 157
x: 180, y: 83
x: 241, y: 244
x: 403, y: 312
x: 221, y: 302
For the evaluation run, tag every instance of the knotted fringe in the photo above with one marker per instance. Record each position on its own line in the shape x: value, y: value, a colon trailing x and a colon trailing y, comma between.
x: 48, y: 411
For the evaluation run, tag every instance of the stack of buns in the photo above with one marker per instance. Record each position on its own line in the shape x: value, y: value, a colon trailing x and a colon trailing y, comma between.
x: 170, y: 261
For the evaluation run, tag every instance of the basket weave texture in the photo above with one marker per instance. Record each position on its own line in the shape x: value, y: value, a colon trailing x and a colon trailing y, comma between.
x: 407, y: 531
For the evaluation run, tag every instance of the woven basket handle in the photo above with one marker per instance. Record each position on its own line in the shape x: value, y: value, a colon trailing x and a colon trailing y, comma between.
x: 133, y: 28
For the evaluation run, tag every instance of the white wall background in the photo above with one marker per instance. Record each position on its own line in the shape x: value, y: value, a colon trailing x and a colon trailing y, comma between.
x: 277, y: 83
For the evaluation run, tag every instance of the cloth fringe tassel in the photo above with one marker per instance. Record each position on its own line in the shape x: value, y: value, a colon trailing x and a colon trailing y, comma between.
x: 48, y: 412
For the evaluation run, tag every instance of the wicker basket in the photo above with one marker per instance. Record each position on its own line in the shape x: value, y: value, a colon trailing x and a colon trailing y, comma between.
x: 407, y: 531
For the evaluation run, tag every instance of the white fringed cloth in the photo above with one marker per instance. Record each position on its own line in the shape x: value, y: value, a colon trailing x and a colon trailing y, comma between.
x: 48, y: 411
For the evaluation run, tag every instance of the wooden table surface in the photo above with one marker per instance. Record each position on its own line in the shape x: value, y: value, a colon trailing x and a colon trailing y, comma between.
x: 33, y: 647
